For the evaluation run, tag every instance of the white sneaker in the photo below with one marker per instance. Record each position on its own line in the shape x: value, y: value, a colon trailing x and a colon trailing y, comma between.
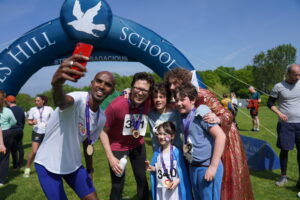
x: 26, y: 173
x: 282, y: 181
x: 1, y: 184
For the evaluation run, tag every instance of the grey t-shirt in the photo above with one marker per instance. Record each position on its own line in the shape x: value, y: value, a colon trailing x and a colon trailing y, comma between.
x: 288, y: 96
x: 155, y: 118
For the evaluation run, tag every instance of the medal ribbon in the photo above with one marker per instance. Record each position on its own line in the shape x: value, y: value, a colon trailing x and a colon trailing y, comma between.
x: 171, y: 162
x: 87, y: 118
x: 136, y: 124
x: 41, y: 113
x: 186, y: 124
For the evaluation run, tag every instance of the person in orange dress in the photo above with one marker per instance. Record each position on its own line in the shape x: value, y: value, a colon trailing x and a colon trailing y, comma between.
x: 236, y: 184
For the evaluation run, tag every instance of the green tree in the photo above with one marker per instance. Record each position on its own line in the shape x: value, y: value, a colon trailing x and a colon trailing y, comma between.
x: 243, y: 78
x: 226, y: 75
x: 220, y: 89
x: 25, y: 101
x: 269, y: 67
x: 210, y: 78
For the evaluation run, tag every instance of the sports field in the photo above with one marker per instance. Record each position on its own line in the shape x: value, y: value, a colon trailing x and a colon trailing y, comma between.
x: 263, y: 182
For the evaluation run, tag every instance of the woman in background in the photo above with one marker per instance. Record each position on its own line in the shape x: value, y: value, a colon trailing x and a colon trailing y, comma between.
x: 38, y: 117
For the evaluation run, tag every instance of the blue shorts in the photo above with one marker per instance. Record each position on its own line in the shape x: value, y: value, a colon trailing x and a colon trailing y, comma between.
x: 52, y: 184
x: 288, y: 135
x: 206, y: 190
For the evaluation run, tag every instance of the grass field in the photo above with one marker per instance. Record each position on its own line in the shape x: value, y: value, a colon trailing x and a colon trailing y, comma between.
x: 263, y: 182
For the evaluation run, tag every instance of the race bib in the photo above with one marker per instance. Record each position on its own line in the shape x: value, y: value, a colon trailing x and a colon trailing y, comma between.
x: 128, y: 124
x: 162, y: 179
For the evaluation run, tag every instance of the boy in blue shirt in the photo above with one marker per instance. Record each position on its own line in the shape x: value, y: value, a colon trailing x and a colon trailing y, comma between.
x: 203, y: 145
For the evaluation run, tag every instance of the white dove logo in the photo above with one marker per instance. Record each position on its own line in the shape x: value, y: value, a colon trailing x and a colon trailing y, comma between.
x: 84, y: 21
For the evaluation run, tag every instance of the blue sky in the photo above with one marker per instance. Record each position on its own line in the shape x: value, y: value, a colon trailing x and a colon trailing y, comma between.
x: 210, y: 33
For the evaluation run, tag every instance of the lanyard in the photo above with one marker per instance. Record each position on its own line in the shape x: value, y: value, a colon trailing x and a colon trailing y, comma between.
x: 163, y: 162
x: 136, y: 123
x: 186, y: 124
x: 87, y: 118
x: 41, y: 113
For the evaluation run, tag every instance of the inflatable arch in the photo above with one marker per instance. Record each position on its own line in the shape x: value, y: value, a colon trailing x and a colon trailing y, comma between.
x: 114, y: 39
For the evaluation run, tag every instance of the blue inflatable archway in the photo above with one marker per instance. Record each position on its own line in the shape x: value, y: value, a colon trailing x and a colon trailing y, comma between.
x: 114, y: 39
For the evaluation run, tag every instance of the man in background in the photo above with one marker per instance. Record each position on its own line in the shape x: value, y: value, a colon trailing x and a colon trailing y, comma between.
x: 287, y: 93
x: 17, y: 149
x: 253, y: 105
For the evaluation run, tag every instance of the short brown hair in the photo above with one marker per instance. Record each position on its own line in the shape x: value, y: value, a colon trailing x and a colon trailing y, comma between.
x: 187, y: 90
x: 161, y: 88
x: 168, y: 127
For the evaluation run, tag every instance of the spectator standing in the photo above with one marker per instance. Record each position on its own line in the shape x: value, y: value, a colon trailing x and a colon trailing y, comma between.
x: 7, y: 120
x: 287, y: 93
x: 253, y: 105
x: 226, y: 102
x: 38, y: 117
x: 17, y: 149
x: 234, y: 102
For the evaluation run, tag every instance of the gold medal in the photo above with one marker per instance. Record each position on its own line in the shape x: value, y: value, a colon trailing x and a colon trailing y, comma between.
x: 135, y: 133
x: 168, y: 183
x: 90, y: 150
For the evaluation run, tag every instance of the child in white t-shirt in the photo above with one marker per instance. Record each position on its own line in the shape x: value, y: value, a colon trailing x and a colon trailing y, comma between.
x: 163, y: 112
x: 168, y: 172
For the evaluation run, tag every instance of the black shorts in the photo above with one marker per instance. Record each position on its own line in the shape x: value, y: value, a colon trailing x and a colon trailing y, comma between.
x: 37, y: 137
x: 288, y: 135
x: 253, y: 112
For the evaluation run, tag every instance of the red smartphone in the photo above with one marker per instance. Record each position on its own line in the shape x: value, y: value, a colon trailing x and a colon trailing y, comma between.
x: 82, y: 49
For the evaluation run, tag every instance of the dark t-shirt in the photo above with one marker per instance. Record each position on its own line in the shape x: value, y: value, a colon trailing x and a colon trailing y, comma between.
x: 20, y: 117
x: 255, y: 96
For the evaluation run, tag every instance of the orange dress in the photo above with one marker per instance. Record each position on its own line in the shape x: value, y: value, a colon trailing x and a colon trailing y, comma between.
x: 236, y: 184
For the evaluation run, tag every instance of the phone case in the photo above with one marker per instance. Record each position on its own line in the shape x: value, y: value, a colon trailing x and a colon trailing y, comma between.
x: 82, y: 49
